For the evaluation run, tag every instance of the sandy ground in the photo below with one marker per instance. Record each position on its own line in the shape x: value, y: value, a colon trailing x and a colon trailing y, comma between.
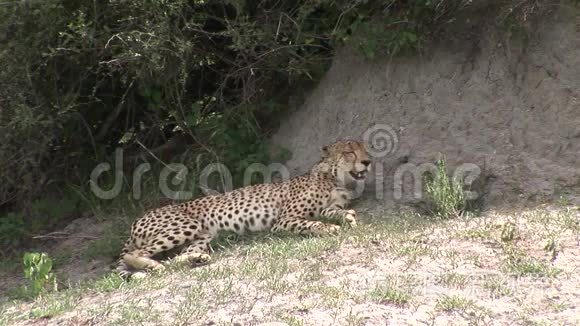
x: 496, y: 269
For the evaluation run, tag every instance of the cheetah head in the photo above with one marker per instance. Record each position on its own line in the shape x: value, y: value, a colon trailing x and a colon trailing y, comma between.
x: 346, y: 158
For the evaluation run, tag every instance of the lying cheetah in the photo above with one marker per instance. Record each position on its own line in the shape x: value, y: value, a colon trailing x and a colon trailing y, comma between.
x: 284, y: 206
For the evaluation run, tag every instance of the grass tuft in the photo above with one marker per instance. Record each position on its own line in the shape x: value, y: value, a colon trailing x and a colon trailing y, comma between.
x: 390, y: 295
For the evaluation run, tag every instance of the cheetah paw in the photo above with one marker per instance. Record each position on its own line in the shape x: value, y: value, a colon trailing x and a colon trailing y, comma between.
x: 138, y: 276
x: 350, y: 217
x: 158, y: 267
x: 194, y: 259
x: 326, y: 229
x: 333, y: 229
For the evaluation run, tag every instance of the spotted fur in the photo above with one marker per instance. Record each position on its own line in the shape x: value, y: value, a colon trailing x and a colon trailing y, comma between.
x: 285, y: 206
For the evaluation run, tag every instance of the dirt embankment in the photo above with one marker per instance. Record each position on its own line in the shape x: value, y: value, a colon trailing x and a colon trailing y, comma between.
x: 508, y: 103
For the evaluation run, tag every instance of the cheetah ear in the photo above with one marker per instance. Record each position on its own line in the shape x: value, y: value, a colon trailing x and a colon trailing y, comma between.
x: 324, y: 150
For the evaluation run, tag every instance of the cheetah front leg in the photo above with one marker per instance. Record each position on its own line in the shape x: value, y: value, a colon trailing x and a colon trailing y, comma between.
x: 141, y: 259
x: 339, y: 199
x: 301, y: 225
x: 197, y: 252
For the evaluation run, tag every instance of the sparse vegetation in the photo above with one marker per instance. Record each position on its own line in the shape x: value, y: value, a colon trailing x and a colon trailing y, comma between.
x: 445, y: 194
x: 497, y: 285
x: 41, y: 216
x: 454, y: 303
x: 345, y: 279
x: 390, y: 295
x: 508, y: 232
x: 38, y: 272
x: 12, y: 230
x: 112, y: 240
x: 454, y: 279
x: 521, y: 264
x: 473, y: 313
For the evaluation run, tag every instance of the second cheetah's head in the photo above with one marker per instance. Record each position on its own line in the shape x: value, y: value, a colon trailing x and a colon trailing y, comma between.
x: 346, y: 157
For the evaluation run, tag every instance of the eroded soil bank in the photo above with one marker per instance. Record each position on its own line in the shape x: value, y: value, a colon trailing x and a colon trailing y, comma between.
x: 505, y: 102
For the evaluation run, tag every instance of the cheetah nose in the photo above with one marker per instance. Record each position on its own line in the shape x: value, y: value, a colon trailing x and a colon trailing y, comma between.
x: 366, y: 162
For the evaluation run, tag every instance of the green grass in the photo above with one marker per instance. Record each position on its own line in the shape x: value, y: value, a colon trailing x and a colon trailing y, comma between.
x: 453, y: 279
x: 390, y: 295
x: 524, y: 318
x: 353, y: 319
x: 111, y: 241
x: 62, y: 257
x: 558, y: 306
x: 450, y: 303
x: 289, y: 319
x: 330, y: 296
x: 474, y: 314
x: 109, y: 283
x: 518, y: 263
x: 476, y: 234
x: 137, y: 312
x: 445, y: 193
x: 532, y: 267
x: 54, y: 305
x: 268, y: 260
x: 189, y: 310
x: 497, y: 286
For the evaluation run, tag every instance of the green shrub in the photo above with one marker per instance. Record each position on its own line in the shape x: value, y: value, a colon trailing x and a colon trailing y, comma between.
x: 81, y: 78
x: 38, y: 271
x: 42, y: 215
x: 12, y: 232
x: 110, y: 243
x: 178, y: 79
x: 45, y: 213
x: 445, y: 194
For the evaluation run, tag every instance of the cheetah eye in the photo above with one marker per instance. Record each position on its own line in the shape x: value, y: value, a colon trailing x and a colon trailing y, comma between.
x: 349, y: 155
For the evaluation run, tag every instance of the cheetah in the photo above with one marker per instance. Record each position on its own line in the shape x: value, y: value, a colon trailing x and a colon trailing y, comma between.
x: 284, y: 206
